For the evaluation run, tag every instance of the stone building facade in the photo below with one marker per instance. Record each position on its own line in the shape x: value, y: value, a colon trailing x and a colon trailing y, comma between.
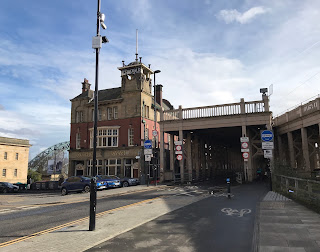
x: 125, y: 120
x: 14, y: 156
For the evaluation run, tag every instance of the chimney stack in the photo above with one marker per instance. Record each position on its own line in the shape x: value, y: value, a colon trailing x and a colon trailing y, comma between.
x: 159, y: 94
x: 85, y: 85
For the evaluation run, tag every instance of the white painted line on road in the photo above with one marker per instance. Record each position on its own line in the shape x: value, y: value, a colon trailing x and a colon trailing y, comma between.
x: 3, y: 211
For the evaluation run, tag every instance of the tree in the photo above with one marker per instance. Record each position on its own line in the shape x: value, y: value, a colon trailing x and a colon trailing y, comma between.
x: 35, y: 176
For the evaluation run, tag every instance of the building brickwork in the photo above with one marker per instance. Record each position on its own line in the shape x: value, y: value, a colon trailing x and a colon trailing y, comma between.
x: 125, y: 120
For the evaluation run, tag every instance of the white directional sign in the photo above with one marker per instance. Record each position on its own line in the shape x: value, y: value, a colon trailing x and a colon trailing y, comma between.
x: 267, y: 153
x: 178, y: 152
x: 244, y: 150
x: 178, y: 142
x: 147, y: 158
x: 267, y: 146
x: 244, y: 139
x: 147, y: 151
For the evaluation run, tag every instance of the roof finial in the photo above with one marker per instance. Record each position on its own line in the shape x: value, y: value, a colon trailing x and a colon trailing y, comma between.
x: 136, y: 45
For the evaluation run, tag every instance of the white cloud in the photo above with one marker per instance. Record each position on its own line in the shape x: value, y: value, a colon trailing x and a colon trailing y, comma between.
x: 200, y: 79
x: 230, y: 16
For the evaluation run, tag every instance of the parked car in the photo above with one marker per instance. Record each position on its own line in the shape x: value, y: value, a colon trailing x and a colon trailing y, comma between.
x: 113, y: 181
x: 80, y: 184
x: 8, y: 187
x: 125, y: 182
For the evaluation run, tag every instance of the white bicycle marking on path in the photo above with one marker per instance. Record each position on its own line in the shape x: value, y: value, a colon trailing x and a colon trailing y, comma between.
x: 222, y: 195
x: 232, y: 212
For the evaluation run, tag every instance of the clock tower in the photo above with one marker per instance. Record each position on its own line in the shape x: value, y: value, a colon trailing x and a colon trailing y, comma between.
x: 136, y: 88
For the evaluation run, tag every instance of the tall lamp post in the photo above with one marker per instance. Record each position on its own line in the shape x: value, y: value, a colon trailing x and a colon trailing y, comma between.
x: 155, y: 124
x: 96, y: 44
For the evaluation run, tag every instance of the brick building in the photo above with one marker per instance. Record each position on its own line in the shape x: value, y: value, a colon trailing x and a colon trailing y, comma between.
x: 125, y: 119
x: 14, y: 160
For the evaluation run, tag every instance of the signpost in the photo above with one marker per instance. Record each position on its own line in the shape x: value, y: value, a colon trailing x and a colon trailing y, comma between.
x: 267, y: 153
x: 267, y: 136
x: 245, y: 147
x: 244, y: 139
x: 148, y: 144
x: 267, y: 139
x: 147, y: 155
x: 179, y: 157
x: 147, y: 158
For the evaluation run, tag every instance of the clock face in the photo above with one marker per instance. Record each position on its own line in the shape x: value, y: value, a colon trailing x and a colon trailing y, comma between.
x: 131, y: 71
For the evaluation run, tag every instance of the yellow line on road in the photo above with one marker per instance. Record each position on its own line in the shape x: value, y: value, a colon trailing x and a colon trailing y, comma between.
x: 46, y: 231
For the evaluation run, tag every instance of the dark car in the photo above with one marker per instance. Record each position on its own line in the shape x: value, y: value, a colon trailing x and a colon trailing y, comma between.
x: 80, y: 184
x: 8, y: 187
x: 112, y: 181
x: 125, y: 182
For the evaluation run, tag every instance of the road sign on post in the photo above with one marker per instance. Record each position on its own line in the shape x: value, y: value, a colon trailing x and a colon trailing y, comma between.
x: 267, y: 139
x: 244, y: 139
x: 267, y: 136
x: 267, y: 153
x: 148, y: 144
x: 179, y: 157
x: 244, y: 145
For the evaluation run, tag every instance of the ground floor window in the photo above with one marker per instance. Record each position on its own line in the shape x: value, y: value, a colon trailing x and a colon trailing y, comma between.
x: 113, y: 166
x: 99, y: 167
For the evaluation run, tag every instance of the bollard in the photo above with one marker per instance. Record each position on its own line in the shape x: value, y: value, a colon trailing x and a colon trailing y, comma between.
x: 229, y: 191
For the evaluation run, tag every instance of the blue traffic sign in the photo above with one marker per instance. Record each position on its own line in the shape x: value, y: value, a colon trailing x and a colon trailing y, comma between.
x: 267, y: 135
x: 147, y: 144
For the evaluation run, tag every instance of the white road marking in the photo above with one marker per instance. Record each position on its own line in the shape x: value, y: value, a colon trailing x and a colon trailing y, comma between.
x: 232, y: 212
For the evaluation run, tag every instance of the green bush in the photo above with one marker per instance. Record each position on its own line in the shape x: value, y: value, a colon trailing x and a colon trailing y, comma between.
x: 35, y: 176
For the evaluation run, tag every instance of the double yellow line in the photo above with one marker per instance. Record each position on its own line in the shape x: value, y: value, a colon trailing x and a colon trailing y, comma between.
x: 46, y: 231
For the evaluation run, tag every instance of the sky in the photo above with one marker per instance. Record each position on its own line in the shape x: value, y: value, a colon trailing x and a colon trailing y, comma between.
x: 209, y: 52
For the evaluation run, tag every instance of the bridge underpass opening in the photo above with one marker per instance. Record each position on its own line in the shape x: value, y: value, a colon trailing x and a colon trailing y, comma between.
x: 215, y: 154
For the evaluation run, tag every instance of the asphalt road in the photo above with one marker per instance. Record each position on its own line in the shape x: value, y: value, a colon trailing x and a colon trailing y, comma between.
x: 25, y: 222
x: 212, y: 224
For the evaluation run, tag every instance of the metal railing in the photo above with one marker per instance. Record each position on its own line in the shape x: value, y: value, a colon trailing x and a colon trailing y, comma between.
x: 307, y: 107
x: 304, y: 189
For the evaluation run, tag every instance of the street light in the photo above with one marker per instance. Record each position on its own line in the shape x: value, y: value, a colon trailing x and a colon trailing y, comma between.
x: 155, y: 122
x: 96, y: 44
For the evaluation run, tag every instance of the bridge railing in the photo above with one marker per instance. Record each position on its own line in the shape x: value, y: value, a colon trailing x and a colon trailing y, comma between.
x: 215, y: 110
x: 305, y: 108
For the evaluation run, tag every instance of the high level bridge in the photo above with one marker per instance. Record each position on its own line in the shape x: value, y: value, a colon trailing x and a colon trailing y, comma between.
x: 297, y: 134
x: 211, y: 140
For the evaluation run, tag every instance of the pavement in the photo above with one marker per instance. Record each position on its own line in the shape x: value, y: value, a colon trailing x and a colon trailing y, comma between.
x: 284, y: 225
x: 280, y: 225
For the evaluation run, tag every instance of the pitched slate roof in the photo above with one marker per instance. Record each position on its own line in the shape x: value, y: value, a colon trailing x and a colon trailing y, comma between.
x: 104, y: 95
